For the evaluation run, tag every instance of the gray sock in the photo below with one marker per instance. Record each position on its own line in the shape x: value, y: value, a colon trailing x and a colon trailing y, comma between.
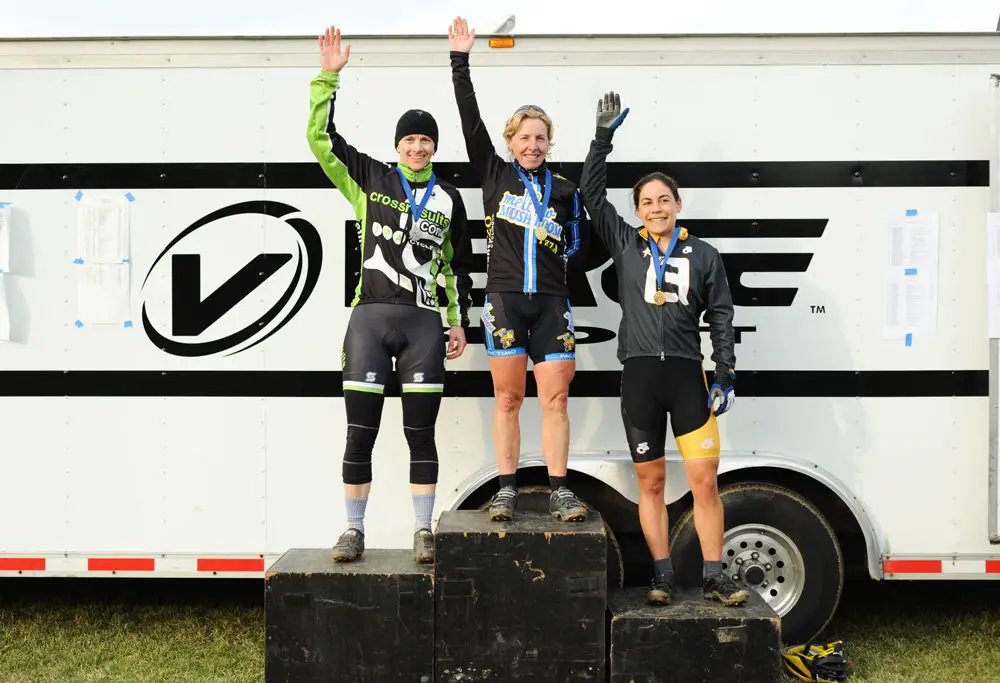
x: 356, y: 513
x: 423, y: 509
x: 711, y: 568
x: 664, y: 565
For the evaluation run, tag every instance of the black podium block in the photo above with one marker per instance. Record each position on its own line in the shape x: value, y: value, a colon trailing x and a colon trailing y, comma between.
x: 370, y: 620
x: 520, y: 601
x: 692, y: 640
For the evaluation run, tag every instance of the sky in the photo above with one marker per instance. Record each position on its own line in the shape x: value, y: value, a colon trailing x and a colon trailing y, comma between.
x: 120, y: 18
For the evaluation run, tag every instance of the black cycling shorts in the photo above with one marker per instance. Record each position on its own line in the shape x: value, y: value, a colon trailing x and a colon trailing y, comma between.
x: 540, y: 325
x: 650, y: 390
x: 379, y: 332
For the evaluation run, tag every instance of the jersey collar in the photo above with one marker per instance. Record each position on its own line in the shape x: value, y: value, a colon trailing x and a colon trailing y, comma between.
x: 421, y: 176
x: 538, y: 171
x: 683, y: 236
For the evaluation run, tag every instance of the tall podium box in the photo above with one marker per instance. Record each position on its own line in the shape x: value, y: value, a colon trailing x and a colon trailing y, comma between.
x: 370, y: 620
x: 520, y: 601
x: 692, y: 640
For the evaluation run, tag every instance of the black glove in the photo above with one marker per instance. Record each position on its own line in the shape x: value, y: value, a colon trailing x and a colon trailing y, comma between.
x: 609, y: 115
x: 722, y: 395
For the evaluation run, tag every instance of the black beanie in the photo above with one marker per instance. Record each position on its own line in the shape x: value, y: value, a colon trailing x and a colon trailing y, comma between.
x: 417, y: 122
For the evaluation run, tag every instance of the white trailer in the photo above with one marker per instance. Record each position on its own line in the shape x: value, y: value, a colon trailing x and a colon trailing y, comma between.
x: 195, y: 428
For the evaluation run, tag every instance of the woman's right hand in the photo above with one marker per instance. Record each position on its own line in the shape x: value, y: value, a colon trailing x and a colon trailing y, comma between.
x: 460, y: 38
x: 330, y: 56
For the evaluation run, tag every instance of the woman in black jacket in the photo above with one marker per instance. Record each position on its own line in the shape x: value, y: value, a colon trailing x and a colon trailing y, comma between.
x: 667, y: 278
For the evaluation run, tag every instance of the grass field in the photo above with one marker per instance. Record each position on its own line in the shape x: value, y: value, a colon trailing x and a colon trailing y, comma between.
x: 119, y: 630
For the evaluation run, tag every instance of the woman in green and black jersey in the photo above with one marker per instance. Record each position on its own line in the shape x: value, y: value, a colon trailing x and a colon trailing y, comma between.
x: 412, y: 233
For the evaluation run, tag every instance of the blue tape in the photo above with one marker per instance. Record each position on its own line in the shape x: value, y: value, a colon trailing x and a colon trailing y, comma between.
x: 129, y: 196
x: 910, y: 271
x: 78, y: 260
x: 911, y: 212
x: 3, y: 204
x: 126, y: 260
x: 78, y: 324
x: 128, y: 323
x: 79, y: 195
x: 909, y: 339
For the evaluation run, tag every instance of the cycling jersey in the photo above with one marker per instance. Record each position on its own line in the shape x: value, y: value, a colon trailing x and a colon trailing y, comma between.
x: 524, y: 254
x: 660, y: 320
x: 400, y: 258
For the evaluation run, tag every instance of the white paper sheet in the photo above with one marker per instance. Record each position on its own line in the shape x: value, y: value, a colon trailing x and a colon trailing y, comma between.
x: 103, y: 229
x: 4, y: 312
x: 5, y: 239
x: 993, y: 273
x: 911, y: 275
x: 103, y: 293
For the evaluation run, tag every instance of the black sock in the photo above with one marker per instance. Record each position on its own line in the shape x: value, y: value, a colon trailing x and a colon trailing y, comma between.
x: 508, y: 480
x: 557, y: 482
x: 711, y: 568
x: 665, y: 565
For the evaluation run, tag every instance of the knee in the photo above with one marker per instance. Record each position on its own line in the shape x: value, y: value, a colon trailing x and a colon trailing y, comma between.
x: 704, y: 486
x: 358, y: 454
x: 653, y: 485
x: 555, y: 403
x: 508, y: 400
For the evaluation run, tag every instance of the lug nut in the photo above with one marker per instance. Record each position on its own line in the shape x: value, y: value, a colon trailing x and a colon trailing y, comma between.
x: 767, y: 566
x: 739, y: 560
x: 754, y: 554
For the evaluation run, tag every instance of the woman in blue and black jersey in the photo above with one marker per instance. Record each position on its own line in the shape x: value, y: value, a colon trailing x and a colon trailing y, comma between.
x: 532, y: 228
x: 412, y: 233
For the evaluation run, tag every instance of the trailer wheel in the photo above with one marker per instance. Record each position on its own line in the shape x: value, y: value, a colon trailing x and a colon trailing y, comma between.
x: 536, y: 499
x: 777, y: 543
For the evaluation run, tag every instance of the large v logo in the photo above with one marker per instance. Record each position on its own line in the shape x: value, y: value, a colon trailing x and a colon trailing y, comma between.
x: 191, y: 314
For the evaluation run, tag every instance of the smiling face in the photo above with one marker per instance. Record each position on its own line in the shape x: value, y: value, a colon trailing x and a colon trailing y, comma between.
x: 415, y: 151
x: 657, y: 204
x: 529, y: 137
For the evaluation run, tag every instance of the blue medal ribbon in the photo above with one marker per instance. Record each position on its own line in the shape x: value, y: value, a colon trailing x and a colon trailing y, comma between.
x: 660, y: 262
x: 540, y: 208
x: 416, y: 209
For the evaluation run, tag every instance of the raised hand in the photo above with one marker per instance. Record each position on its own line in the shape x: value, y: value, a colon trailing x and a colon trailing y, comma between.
x: 609, y: 111
x: 460, y: 38
x: 331, y: 58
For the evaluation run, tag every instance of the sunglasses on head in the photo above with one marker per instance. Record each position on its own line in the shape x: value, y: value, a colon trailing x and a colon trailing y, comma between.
x: 525, y: 107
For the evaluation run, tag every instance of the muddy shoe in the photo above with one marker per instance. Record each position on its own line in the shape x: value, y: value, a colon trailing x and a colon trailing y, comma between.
x: 503, y: 504
x: 722, y: 588
x: 659, y: 589
x: 564, y: 505
x: 423, y: 546
x: 350, y: 546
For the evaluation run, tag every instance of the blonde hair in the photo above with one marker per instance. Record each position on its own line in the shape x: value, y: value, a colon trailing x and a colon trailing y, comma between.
x: 526, y: 112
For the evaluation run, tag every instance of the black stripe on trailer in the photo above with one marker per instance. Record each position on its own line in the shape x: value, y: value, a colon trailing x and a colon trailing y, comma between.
x: 477, y: 383
x: 622, y: 174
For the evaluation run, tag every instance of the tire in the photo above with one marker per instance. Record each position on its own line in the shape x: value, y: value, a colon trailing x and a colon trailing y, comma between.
x: 777, y: 543
x: 536, y: 499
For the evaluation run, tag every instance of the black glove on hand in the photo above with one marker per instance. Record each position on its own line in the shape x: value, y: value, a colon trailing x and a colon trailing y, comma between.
x: 609, y: 115
x: 722, y: 395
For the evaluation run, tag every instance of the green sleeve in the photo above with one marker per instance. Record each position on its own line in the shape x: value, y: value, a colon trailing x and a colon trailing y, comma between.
x: 348, y: 169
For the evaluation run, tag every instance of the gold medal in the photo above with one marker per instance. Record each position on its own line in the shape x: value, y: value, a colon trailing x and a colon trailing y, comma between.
x: 659, y: 298
x: 541, y: 233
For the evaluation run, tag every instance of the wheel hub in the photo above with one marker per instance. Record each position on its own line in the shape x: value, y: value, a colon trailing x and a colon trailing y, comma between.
x: 764, y: 559
x: 753, y: 574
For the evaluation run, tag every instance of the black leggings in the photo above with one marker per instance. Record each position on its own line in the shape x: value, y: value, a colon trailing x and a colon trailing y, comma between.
x: 378, y: 333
